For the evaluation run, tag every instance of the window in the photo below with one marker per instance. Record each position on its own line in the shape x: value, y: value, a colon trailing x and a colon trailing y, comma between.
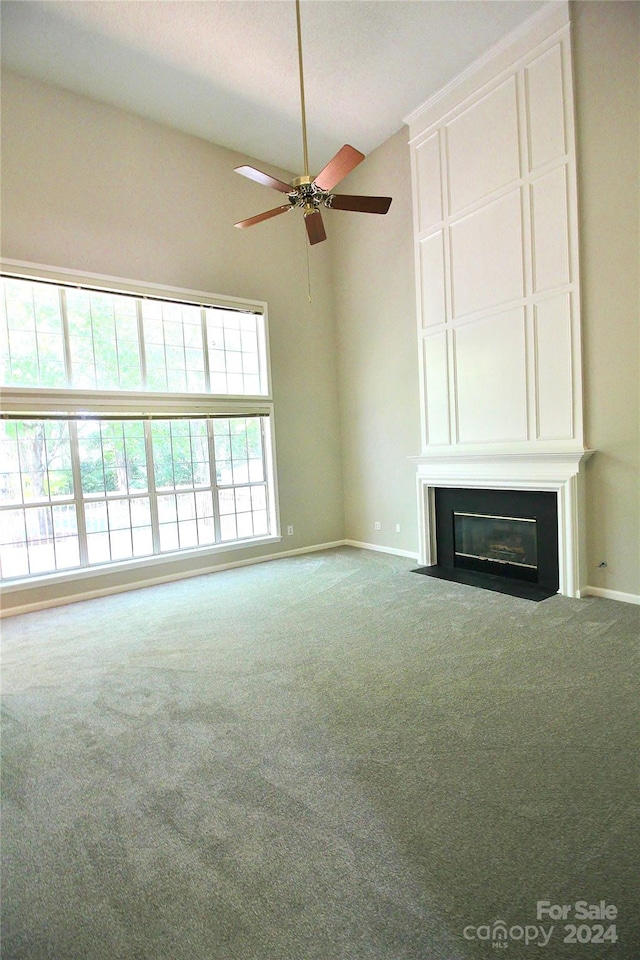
x: 133, y: 426
x: 58, y: 336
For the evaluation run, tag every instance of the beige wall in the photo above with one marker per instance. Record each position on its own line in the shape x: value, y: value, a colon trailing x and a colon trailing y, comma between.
x: 607, y: 89
x: 89, y: 187
x: 377, y: 349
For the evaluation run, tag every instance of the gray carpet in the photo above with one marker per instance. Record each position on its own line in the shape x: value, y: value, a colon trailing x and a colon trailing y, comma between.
x: 319, y: 758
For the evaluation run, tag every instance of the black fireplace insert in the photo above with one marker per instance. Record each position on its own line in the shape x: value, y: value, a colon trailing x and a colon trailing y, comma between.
x: 503, y: 540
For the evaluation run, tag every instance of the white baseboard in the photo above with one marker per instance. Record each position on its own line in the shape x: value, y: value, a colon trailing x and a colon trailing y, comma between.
x: 218, y: 567
x: 610, y: 594
x: 378, y: 549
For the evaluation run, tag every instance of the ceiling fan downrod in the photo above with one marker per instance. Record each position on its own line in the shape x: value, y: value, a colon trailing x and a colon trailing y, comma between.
x: 303, y: 111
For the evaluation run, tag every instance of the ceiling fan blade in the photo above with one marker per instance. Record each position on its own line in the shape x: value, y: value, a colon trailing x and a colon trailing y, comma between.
x: 345, y: 160
x: 263, y: 216
x: 315, y: 227
x: 360, y: 204
x: 263, y: 178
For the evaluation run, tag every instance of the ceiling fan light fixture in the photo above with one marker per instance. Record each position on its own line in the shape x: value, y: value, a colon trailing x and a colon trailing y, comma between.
x: 310, y: 193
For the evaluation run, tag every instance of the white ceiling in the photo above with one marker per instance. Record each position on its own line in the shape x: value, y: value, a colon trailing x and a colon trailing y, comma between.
x: 227, y: 70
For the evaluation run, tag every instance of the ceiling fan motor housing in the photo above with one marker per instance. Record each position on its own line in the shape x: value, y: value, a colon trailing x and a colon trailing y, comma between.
x: 307, y: 195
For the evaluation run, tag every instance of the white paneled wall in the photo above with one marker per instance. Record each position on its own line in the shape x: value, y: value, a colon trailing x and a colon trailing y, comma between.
x: 495, y: 220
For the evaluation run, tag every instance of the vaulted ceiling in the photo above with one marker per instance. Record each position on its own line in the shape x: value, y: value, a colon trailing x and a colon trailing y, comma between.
x: 227, y: 70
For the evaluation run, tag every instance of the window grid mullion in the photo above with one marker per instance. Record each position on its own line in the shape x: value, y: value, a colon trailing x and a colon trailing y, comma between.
x: 26, y: 536
x: 54, y: 543
x: 35, y: 333
x: 6, y: 320
x: 173, y: 466
x: 151, y: 487
x: 213, y: 474
x: 164, y: 352
x: 242, y: 360
x: 248, y: 483
x: 141, y: 344
x: 265, y: 472
x: 116, y: 343
x: 205, y: 350
x: 76, y: 472
x: 66, y: 338
x: 20, y: 470
x: 98, y: 498
x: 184, y: 360
x: 125, y: 450
x: 93, y: 345
x: 106, y: 492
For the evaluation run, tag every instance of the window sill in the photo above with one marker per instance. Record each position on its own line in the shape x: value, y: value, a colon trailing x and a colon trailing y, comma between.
x: 178, y: 558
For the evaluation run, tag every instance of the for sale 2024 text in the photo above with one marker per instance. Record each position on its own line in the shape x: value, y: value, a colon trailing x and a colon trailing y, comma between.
x: 598, y: 927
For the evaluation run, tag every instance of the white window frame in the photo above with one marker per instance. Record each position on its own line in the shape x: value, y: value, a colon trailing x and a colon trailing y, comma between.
x: 146, y: 405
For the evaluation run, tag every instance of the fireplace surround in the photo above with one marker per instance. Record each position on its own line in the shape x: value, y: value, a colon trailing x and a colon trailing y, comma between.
x: 559, y: 473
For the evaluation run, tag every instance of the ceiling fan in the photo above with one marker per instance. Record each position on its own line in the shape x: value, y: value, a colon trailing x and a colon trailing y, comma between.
x: 308, y: 193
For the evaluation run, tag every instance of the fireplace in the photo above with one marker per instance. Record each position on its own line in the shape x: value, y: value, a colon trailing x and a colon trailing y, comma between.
x: 558, y: 473
x: 503, y: 540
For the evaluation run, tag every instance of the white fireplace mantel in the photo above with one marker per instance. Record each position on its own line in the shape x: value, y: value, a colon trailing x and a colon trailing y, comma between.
x: 557, y: 471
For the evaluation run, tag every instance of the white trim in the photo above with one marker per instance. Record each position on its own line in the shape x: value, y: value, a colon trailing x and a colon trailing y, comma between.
x: 379, y: 549
x: 35, y: 271
x: 509, y: 50
x: 142, y: 403
x: 610, y: 594
x: 508, y: 61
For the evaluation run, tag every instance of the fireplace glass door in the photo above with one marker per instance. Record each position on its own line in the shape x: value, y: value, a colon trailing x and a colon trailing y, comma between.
x: 507, y: 546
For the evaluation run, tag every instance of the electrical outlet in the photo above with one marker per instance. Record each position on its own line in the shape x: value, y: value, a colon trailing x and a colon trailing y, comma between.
x: 289, y: 531
x: 377, y: 525
x: 397, y: 528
